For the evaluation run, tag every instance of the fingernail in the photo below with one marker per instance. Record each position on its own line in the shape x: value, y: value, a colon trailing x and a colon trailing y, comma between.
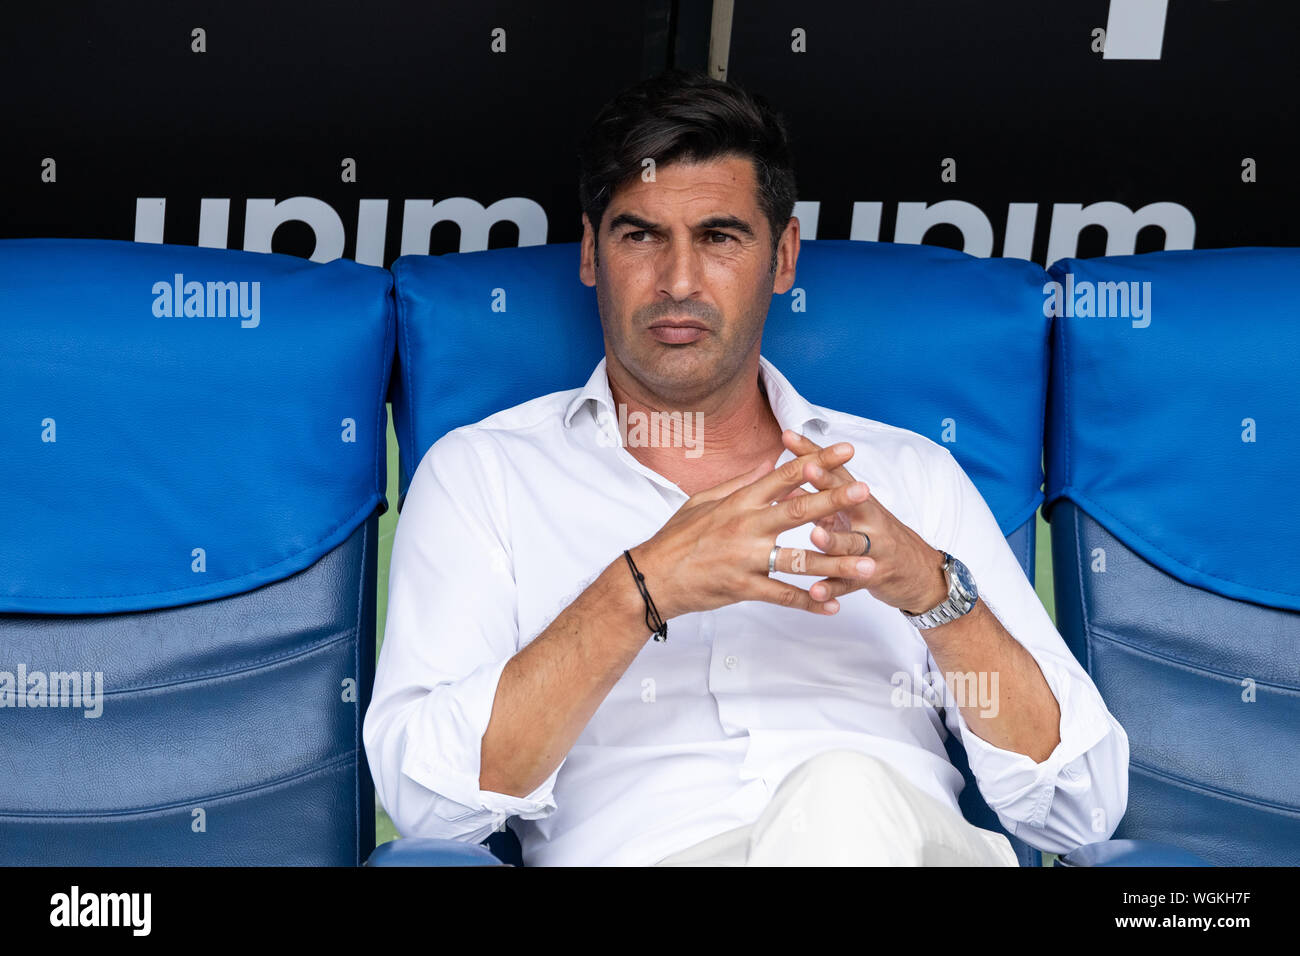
x: 857, y: 491
x: 842, y: 448
x: 864, y: 566
x: 816, y: 471
x: 831, y: 606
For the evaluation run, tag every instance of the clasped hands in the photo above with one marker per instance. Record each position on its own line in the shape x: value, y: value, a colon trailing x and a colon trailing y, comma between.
x: 715, y: 550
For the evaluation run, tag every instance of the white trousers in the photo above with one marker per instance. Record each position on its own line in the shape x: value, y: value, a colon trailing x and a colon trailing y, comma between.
x: 845, y: 808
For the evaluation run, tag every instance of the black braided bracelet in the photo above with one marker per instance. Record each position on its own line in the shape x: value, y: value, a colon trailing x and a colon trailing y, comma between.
x: 657, y: 625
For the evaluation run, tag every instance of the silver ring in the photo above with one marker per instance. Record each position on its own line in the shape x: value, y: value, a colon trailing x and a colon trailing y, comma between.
x: 771, y: 558
x: 866, y: 539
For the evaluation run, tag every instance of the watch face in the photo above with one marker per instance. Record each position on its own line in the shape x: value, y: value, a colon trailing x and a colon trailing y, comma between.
x: 963, y: 579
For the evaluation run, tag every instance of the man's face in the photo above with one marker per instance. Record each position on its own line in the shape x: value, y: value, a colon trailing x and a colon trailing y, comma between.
x: 684, y: 281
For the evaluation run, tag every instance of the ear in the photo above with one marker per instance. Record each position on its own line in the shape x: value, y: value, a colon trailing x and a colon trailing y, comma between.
x: 589, y: 260
x: 787, y: 254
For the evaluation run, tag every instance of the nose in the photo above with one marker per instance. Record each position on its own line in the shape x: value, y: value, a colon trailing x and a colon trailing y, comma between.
x: 679, y: 269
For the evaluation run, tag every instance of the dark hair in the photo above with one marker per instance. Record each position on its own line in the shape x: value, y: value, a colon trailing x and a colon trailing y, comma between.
x: 683, y: 115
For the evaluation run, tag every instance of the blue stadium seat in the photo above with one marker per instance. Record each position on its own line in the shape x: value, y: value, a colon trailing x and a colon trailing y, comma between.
x: 193, y: 469
x: 1172, y: 454
x: 951, y: 346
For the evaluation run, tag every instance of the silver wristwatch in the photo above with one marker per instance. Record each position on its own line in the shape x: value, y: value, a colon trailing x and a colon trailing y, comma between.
x: 962, y: 595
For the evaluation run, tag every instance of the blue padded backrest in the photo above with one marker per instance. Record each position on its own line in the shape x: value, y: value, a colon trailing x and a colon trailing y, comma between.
x: 1169, y: 533
x: 948, y: 345
x: 188, y: 514
x: 1180, y: 428
x: 132, y: 438
x: 951, y: 346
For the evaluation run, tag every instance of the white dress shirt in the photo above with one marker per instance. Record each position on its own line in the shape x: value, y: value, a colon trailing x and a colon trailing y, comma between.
x: 506, y: 521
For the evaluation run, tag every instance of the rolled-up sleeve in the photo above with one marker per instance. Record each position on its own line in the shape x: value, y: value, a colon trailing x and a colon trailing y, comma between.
x: 1078, y: 793
x: 451, y: 629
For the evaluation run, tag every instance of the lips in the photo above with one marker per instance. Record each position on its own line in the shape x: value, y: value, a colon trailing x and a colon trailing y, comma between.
x: 678, y: 333
x: 679, y: 324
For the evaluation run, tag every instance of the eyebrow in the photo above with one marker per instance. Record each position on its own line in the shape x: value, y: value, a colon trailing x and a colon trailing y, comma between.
x: 713, y: 222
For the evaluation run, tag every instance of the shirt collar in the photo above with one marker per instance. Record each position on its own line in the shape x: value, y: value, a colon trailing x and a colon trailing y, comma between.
x: 790, y: 408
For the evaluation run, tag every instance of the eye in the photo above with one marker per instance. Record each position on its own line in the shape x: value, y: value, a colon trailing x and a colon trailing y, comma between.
x: 723, y: 235
x: 635, y: 232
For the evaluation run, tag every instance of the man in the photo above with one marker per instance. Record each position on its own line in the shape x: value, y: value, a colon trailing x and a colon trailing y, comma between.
x: 801, y: 566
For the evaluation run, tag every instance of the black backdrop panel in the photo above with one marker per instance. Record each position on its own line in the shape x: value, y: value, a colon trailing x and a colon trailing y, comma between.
x: 116, y: 126
x: 414, y: 93
x: 1014, y: 93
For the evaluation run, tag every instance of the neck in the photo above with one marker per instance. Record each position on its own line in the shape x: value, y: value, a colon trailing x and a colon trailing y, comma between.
x: 700, y: 444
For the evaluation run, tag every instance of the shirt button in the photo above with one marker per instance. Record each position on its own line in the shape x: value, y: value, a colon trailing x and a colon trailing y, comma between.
x: 731, y: 660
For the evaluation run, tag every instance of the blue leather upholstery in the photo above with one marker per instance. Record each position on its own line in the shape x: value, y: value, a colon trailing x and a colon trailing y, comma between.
x: 1163, y: 518
x: 134, y: 437
x: 1208, y: 772
x: 1129, y: 853
x: 422, y: 851
x: 1172, y: 427
x: 483, y: 331
x: 1024, y: 545
x: 232, y: 704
